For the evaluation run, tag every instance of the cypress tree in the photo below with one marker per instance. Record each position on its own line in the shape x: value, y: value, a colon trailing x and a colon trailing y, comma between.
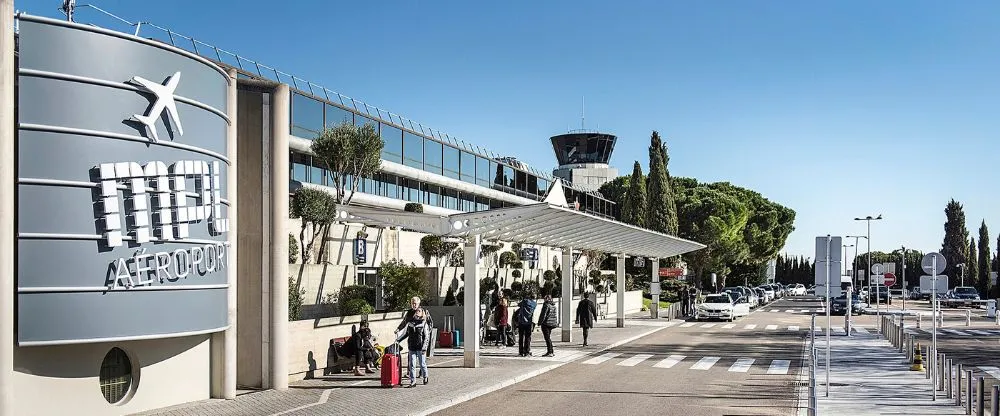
x: 634, y: 206
x: 956, y: 237
x: 673, y: 224
x: 983, y: 280
x: 660, y: 199
x: 972, y: 268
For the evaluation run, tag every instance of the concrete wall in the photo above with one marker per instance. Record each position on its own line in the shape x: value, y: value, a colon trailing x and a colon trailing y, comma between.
x: 63, y: 380
x: 309, y: 340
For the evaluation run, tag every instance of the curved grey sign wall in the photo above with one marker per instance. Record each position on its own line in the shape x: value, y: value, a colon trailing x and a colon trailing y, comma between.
x: 122, y: 217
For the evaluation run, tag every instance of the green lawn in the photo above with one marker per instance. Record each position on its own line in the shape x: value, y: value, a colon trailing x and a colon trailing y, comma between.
x: 647, y: 302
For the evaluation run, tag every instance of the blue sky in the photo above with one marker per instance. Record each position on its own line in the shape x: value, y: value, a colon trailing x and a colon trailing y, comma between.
x: 835, y: 109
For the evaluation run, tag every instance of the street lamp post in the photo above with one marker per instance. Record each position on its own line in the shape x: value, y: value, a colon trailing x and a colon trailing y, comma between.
x: 963, y: 266
x: 869, y: 220
x: 845, y: 259
x: 854, y: 264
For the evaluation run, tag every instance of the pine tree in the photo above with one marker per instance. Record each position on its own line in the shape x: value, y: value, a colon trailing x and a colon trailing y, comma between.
x: 983, y: 280
x: 956, y: 238
x: 972, y: 269
x: 634, y: 206
x: 673, y: 223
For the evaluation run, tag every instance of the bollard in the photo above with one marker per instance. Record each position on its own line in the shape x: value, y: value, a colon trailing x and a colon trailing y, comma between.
x: 941, y: 360
x: 968, y: 318
x: 994, y: 398
x: 920, y: 319
x: 958, y: 385
x: 902, y: 338
x: 980, y: 397
x: 968, y: 392
x: 927, y: 368
x: 948, y: 366
x: 909, y: 349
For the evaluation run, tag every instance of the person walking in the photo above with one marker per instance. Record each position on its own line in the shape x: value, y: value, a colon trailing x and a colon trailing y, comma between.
x: 692, y: 299
x: 586, y: 314
x: 524, y: 318
x: 685, y: 302
x: 415, y: 328
x: 502, y: 321
x: 549, y: 320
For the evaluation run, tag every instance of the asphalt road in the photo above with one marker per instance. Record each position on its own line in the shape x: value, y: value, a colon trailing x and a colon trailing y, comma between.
x: 748, y: 367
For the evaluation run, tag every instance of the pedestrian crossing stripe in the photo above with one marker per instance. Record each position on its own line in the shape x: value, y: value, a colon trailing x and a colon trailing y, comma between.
x: 751, y: 326
x: 688, y: 324
x: 707, y: 325
x: 771, y: 327
x: 635, y: 360
x: 728, y: 326
x: 602, y: 358
x: 670, y: 361
x: 793, y: 328
x: 860, y: 330
x: 789, y: 311
x: 705, y: 363
x: 954, y: 331
x: 741, y: 365
x: 778, y: 367
x: 978, y: 332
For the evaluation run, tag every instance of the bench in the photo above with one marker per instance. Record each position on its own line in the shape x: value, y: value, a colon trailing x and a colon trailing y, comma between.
x: 336, y: 363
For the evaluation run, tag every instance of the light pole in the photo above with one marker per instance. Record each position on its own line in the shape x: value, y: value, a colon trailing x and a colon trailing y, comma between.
x: 963, y: 266
x: 854, y: 264
x: 845, y: 258
x: 869, y: 220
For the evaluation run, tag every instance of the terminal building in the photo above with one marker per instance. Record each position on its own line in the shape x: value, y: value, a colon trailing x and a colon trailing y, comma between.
x: 150, y: 176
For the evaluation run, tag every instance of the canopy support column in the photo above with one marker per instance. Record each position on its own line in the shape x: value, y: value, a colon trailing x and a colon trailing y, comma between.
x: 655, y: 278
x: 566, y: 299
x: 620, y: 289
x: 472, y: 301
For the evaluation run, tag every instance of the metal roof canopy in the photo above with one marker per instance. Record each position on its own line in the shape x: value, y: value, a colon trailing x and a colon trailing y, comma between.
x: 542, y: 224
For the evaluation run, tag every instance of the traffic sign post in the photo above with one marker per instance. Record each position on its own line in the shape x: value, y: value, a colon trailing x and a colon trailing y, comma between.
x: 934, y: 263
x: 889, y: 280
x: 877, y: 269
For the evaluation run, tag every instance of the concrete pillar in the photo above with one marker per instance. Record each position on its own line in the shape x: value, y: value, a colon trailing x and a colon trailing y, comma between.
x: 620, y: 286
x: 472, y: 303
x: 7, y: 208
x: 566, y: 298
x: 226, y: 387
x: 280, y: 111
x: 655, y: 278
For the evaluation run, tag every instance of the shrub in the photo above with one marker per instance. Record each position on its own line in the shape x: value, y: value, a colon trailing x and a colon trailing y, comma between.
x: 293, y: 249
x: 413, y: 207
x: 295, y: 298
x: 532, y: 289
x: 516, y: 274
x: 507, y: 258
x: 449, y: 297
x: 349, y: 293
x: 355, y: 307
x: 402, y: 281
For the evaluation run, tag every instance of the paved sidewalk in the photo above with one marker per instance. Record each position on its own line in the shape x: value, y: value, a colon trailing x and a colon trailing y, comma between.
x: 869, y: 377
x: 450, y: 383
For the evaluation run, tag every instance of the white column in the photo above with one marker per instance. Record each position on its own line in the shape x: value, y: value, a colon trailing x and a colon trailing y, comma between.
x: 566, y: 299
x: 472, y: 301
x: 620, y: 286
x: 232, y: 189
x: 655, y: 278
x: 7, y: 208
x: 279, y: 237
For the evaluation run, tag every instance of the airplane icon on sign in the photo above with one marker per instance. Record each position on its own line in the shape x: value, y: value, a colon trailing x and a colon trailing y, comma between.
x: 164, y: 101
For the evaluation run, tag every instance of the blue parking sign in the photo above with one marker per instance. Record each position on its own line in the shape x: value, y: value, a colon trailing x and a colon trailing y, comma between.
x: 360, y: 251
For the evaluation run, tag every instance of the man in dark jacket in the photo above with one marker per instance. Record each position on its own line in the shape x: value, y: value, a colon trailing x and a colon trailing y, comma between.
x: 549, y: 320
x: 685, y: 302
x: 586, y: 314
x: 524, y: 318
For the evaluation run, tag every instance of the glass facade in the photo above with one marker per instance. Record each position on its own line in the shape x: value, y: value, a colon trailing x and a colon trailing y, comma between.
x: 405, y: 144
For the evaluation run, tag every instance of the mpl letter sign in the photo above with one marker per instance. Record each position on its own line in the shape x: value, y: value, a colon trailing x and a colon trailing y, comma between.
x: 360, y: 250
x: 149, y: 203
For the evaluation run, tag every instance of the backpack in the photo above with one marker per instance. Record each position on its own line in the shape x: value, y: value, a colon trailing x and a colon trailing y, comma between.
x: 551, y: 320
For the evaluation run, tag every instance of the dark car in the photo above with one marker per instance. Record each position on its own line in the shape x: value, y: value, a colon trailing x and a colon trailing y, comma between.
x: 964, y: 295
x: 879, y: 291
x: 839, y: 306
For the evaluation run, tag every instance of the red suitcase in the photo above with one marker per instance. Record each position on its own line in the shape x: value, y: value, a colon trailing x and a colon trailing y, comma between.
x: 391, y: 369
x: 446, y: 339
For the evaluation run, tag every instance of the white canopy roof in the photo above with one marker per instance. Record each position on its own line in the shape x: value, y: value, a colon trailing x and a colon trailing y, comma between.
x: 542, y: 224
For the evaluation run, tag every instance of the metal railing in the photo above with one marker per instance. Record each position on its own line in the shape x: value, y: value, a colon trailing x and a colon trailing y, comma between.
x: 252, y: 67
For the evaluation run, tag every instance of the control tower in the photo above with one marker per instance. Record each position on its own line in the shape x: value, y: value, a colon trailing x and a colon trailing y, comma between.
x: 583, y: 157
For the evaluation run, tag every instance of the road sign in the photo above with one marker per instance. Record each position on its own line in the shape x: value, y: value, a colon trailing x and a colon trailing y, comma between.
x: 529, y: 254
x: 360, y: 251
x: 638, y: 262
x: 671, y: 271
x: 877, y: 268
x: 654, y: 288
x: 824, y: 249
x: 890, y: 279
x: 993, y: 278
x: 928, y: 263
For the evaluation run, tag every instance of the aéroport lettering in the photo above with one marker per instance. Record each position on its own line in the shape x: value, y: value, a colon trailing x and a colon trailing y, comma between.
x: 144, y: 268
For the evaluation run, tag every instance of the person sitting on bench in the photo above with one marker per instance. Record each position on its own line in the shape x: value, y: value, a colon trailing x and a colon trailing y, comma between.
x: 361, y: 346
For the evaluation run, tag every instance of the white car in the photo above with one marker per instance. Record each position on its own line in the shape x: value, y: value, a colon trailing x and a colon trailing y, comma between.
x: 721, y: 306
x: 799, y: 290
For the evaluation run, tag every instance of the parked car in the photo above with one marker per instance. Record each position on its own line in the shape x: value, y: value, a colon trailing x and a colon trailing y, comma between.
x: 769, y: 292
x: 722, y: 306
x: 964, y: 296
x: 880, y: 291
x: 799, y: 290
x: 839, y: 306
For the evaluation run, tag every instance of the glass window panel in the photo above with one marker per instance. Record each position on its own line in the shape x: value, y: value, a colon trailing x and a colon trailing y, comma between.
x: 451, y: 162
x: 543, y: 186
x: 360, y: 120
x: 413, y: 150
x: 520, y: 180
x: 299, y: 172
x: 497, y: 172
x: 307, y: 116
x: 432, y: 156
x: 433, y: 195
x: 483, y: 173
x: 468, y: 167
x: 336, y: 115
x: 508, y: 176
x: 392, y: 138
x: 316, y: 174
